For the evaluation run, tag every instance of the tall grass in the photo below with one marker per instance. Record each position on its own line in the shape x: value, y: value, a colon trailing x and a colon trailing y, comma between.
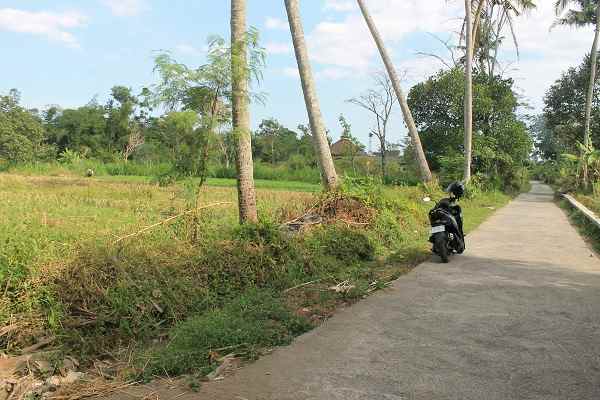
x: 174, y: 296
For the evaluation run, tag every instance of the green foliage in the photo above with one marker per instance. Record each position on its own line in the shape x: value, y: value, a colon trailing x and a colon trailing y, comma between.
x: 70, y: 157
x: 344, y: 243
x: 273, y: 143
x: 501, y: 143
x: 21, y: 132
x: 183, y: 141
x: 564, y: 111
x: 82, y: 130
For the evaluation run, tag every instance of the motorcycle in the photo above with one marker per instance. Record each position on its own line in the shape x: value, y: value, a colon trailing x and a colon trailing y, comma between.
x: 446, y: 220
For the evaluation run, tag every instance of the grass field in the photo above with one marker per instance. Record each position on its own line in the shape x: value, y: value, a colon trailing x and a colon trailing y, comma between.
x: 289, y: 186
x: 198, y: 282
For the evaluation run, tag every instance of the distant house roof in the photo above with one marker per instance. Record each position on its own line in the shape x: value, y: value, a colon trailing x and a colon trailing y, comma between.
x: 344, y: 147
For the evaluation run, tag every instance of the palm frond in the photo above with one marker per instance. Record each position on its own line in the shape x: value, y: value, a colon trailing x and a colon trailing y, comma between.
x: 512, y: 33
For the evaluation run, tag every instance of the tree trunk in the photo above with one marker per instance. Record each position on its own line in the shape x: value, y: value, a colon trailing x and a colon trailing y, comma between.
x: 273, y: 150
x: 497, y: 45
x: 383, y: 164
x: 408, y: 118
x: 590, y: 93
x: 241, y: 114
x: 468, y: 92
x: 476, y: 22
x: 317, y: 126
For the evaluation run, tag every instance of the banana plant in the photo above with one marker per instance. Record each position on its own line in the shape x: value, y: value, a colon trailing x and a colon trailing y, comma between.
x: 587, y: 160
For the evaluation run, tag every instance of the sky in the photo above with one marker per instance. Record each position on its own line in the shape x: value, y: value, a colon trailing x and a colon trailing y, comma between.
x: 66, y: 52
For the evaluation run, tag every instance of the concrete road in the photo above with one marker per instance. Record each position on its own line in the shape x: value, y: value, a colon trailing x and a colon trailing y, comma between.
x: 516, y: 317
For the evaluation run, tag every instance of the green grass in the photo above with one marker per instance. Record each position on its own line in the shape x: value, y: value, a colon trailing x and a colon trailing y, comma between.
x: 228, y: 183
x: 586, y: 228
x: 182, y: 290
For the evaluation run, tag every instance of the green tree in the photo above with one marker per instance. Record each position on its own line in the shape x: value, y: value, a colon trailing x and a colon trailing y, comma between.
x: 306, y: 145
x: 82, y: 130
x: 274, y: 143
x: 546, y: 145
x: 586, y: 13
x: 501, y: 145
x: 179, y: 135
x: 565, y: 108
x: 21, y: 132
x: 354, y: 147
x: 206, y: 91
x: 120, y: 110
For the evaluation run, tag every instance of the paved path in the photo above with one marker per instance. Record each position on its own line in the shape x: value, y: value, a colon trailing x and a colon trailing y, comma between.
x: 516, y: 317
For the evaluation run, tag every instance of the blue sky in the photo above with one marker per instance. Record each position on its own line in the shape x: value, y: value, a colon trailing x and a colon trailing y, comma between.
x: 65, y: 51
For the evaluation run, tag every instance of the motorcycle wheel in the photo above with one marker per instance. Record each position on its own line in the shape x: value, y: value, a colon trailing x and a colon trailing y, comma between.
x: 441, y: 247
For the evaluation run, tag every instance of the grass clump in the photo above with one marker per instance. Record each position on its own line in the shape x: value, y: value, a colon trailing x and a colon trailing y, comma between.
x: 253, y: 320
x: 344, y: 243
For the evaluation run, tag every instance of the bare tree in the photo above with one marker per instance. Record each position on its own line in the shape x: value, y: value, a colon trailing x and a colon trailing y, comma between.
x: 241, y: 113
x: 379, y: 101
x: 135, y: 140
x: 317, y: 126
x: 408, y: 118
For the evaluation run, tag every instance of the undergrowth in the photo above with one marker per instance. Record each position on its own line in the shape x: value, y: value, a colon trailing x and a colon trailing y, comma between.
x: 586, y: 228
x: 172, y: 301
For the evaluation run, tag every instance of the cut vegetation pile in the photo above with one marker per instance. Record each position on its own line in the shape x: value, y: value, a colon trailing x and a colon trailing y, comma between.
x: 167, y: 305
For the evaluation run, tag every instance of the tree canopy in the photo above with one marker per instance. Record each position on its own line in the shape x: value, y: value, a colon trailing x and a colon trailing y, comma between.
x: 501, y: 141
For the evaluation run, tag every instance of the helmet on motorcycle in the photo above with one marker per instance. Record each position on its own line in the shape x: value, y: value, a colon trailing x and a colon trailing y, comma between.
x: 457, y: 189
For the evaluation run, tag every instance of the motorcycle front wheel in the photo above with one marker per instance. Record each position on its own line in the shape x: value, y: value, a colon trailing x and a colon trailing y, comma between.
x: 440, y: 246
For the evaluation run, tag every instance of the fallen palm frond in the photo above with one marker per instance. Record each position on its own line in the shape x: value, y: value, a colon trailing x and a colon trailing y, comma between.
x: 83, y: 390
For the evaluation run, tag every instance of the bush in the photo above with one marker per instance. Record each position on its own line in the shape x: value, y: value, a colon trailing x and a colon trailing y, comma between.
x: 344, y: 243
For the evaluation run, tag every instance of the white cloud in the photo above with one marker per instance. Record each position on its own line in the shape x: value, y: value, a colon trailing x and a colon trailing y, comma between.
x: 290, y: 72
x: 335, y: 73
x: 347, y: 43
x: 278, y: 48
x: 54, y: 26
x: 276, y: 24
x: 340, y: 5
x: 546, y: 53
x: 125, y: 8
x: 187, y: 49
x: 417, y: 69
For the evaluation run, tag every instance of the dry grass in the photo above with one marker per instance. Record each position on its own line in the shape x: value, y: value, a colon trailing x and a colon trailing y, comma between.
x: 45, y: 221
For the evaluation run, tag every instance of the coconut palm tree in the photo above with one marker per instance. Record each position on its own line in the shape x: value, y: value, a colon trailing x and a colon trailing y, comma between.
x: 586, y: 13
x: 507, y: 10
x: 468, y: 90
x: 475, y: 11
x: 408, y: 118
x: 241, y: 113
x: 317, y: 126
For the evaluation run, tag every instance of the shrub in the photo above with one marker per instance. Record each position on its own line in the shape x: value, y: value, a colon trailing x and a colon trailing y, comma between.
x: 344, y: 243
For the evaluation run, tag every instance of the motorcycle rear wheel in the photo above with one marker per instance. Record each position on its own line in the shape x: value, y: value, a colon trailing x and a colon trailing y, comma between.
x: 440, y: 246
